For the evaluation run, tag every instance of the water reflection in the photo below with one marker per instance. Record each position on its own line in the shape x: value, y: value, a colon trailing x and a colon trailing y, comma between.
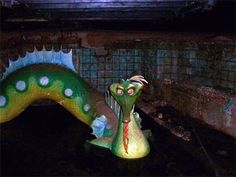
x: 50, y: 141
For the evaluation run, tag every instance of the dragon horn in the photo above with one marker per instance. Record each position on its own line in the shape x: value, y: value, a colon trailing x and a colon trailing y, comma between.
x: 138, y: 78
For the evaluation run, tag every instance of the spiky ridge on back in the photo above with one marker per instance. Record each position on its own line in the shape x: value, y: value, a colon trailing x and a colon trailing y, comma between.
x: 38, y: 57
x: 44, y: 74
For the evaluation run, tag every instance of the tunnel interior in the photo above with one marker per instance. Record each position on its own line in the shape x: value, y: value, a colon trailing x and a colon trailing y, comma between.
x: 184, y: 49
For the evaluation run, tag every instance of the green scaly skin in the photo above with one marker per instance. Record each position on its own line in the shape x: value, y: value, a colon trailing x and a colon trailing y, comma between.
x: 59, y: 79
x: 126, y: 94
x: 66, y: 88
x: 138, y: 145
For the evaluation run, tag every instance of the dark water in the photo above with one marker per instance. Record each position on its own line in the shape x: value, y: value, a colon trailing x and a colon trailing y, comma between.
x: 49, y: 141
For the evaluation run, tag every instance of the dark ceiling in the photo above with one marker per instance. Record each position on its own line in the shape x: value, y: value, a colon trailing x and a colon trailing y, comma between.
x: 167, y: 15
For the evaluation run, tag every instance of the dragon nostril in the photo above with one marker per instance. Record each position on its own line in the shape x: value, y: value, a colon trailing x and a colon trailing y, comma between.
x: 126, y: 121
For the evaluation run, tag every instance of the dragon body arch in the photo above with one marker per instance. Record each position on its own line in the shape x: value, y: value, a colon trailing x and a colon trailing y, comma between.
x: 51, y: 75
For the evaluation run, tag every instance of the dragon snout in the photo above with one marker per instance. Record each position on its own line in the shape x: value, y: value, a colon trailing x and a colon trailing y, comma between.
x: 126, y: 116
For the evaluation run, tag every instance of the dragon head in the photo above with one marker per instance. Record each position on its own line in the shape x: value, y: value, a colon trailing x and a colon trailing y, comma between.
x: 126, y: 93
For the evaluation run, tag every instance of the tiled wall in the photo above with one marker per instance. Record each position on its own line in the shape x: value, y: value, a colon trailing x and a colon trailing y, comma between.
x: 160, y: 64
x: 100, y: 72
x: 192, y: 65
x: 214, y: 67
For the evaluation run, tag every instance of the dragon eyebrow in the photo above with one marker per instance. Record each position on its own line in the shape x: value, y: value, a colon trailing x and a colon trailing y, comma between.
x: 130, y: 86
x: 120, y: 87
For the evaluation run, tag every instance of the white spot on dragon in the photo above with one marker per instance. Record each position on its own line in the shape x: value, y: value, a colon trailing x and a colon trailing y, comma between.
x: 2, y: 101
x: 86, y: 107
x: 20, y: 85
x: 44, y: 81
x: 68, y: 92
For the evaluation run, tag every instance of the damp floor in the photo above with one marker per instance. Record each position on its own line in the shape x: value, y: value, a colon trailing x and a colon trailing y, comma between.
x: 49, y: 141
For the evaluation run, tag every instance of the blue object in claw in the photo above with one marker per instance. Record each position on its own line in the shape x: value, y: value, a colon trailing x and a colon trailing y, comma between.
x: 99, y: 125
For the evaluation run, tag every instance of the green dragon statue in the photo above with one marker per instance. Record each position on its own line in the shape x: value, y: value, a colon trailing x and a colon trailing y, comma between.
x: 51, y: 75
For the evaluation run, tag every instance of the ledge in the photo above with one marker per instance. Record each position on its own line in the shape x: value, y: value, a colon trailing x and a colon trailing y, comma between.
x: 210, y: 106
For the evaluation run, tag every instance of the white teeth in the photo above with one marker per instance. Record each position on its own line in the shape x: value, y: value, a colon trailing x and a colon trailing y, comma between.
x: 117, y: 109
x: 112, y: 103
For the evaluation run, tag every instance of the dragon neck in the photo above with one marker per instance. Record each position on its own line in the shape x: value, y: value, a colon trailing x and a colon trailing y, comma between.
x: 129, y: 141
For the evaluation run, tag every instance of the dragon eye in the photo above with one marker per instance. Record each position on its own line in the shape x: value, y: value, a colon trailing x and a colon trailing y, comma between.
x: 131, y: 91
x: 119, y: 91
